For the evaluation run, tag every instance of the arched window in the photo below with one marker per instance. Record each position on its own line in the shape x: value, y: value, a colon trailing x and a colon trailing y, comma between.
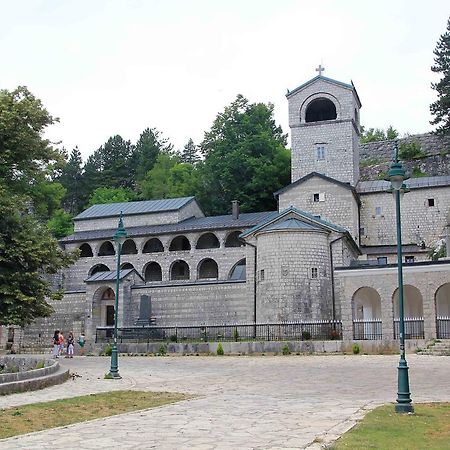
x: 85, y: 251
x: 207, y: 240
x: 238, y: 271
x: 153, y: 272
x: 320, y: 109
x: 106, y: 249
x: 129, y: 247
x: 233, y: 239
x: 98, y: 268
x: 179, y: 271
x: 366, y: 312
x: 108, y: 294
x: 180, y: 243
x: 153, y: 245
x: 126, y: 266
x: 207, y: 269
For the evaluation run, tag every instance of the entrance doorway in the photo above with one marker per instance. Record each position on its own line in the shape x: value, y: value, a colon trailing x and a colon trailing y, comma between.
x: 109, y: 315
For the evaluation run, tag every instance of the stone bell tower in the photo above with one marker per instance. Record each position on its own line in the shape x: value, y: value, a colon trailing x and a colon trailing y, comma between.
x: 324, y: 122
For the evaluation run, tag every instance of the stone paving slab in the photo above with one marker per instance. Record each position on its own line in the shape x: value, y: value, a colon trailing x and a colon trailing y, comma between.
x: 266, y: 402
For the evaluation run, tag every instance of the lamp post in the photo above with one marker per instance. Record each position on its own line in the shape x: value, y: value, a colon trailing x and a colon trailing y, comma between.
x: 396, y: 176
x: 119, y: 239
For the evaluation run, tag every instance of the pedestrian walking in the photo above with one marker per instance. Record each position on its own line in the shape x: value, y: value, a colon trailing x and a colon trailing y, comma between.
x: 70, y: 343
x: 61, y: 343
x: 81, y: 342
x: 56, y: 344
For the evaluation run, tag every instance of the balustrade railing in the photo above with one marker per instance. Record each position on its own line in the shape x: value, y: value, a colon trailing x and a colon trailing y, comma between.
x: 413, y: 328
x: 443, y: 327
x: 367, y: 329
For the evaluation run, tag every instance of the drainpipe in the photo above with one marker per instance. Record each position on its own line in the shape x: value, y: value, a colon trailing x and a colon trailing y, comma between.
x: 254, y: 279
x: 333, y: 296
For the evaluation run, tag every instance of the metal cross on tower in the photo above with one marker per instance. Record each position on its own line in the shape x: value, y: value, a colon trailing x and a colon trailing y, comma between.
x: 320, y: 69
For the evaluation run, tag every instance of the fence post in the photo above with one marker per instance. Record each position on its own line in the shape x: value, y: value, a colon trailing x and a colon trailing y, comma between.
x: 268, y: 332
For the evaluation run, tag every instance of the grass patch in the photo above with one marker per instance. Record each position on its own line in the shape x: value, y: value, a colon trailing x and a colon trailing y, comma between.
x: 41, y: 416
x: 382, y: 428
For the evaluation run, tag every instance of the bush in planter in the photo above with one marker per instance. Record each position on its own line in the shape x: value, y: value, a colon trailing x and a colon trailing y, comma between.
x: 306, y: 336
x: 355, y: 349
x: 162, y: 350
x: 286, y: 350
x: 220, y: 349
x: 236, y: 334
x: 108, y: 350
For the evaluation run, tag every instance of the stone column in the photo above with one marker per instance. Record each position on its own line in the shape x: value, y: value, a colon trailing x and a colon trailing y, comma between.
x: 387, y: 314
x: 429, y: 312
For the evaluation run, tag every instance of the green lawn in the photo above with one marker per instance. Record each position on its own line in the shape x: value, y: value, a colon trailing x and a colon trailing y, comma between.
x: 41, y: 416
x: 382, y: 428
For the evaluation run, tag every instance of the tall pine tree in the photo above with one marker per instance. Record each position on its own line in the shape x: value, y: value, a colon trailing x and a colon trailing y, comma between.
x: 440, y: 109
x: 71, y: 179
x: 189, y: 153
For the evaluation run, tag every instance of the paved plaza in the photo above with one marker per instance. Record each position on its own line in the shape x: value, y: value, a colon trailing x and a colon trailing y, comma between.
x: 267, y: 402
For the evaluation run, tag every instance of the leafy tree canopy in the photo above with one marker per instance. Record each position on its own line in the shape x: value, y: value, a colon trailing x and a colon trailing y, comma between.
x: 245, y: 159
x: 111, y: 195
x: 61, y: 224
x: 28, y: 252
x: 156, y: 183
x: 378, y: 134
x: 440, y: 109
x: 189, y: 154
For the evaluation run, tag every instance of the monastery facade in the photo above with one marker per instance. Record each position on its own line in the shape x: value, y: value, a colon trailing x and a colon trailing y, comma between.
x: 327, y: 253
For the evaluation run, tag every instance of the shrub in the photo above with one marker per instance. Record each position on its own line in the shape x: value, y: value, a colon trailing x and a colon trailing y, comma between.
x: 306, y: 336
x: 219, y: 349
x: 173, y: 338
x: 40, y: 365
x: 417, y: 173
x: 162, y: 350
x: 355, y: 349
x: 286, y: 350
x: 108, y: 350
x: 409, y: 151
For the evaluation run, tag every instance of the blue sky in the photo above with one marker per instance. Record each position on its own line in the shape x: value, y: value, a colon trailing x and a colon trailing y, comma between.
x: 108, y: 67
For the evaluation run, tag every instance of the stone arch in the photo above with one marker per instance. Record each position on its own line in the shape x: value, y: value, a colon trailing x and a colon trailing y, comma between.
x: 179, y: 270
x: 319, y: 96
x: 232, y: 239
x: 106, y: 249
x: 442, y: 298
x: 126, y: 265
x: 129, y: 247
x: 320, y: 109
x: 98, y: 268
x: 85, y: 250
x: 207, y: 240
x: 366, y: 304
x: 103, y: 306
x: 180, y: 243
x: 152, y: 272
x: 238, y: 271
x: 413, y: 302
x: 207, y: 269
x: 153, y: 245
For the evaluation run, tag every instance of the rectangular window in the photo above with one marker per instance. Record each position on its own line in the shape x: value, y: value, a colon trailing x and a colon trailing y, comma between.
x: 431, y: 202
x: 362, y: 231
x: 378, y: 210
x: 320, y: 153
x: 314, y: 272
x: 319, y: 197
x: 382, y: 260
x: 261, y: 275
x: 409, y: 259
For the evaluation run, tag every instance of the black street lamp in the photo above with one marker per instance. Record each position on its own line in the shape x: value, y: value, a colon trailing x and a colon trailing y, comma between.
x: 119, y: 239
x: 397, y: 176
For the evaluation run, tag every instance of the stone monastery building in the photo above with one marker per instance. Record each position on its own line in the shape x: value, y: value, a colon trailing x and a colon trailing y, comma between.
x: 327, y: 253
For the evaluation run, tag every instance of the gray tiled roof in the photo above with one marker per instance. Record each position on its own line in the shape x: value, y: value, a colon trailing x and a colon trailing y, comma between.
x: 131, y: 208
x: 412, y: 183
x: 292, y: 224
x: 245, y: 220
x: 109, y: 275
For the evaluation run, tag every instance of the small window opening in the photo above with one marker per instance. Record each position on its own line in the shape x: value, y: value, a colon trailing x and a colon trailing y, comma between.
x: 320, y: 153
x: 378, y: 210
x: 314, y: 272
x: 431, y: 202
x: 261, y: 275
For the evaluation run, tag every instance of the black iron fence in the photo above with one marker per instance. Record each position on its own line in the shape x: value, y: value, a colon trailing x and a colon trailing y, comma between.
x: 369, y: 329
x: 443, y: 327
x: 302, y: 331
x: 413, y: 328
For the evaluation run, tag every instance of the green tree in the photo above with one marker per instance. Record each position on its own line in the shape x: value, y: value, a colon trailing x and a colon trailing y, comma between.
x: 156, y: 183
x: 245, y: 159
x: 71, y: 178
x: 61, y: 224
x: 440, y: 109
x: 111, y: 195
x: 378, y: 134
x: 149, y: 145
x: 28, y: 252
x: 189, y: 154
x: 183, y: 180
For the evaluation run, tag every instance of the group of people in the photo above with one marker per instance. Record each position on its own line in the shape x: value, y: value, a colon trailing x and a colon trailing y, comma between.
x: 60, y: 344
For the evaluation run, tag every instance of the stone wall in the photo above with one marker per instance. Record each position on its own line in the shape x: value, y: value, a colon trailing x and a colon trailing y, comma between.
x: 420, y: 222
x: 338, y: 207
x: 287, y: 289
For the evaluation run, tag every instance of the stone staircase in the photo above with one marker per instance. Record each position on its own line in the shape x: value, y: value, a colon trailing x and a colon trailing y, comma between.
x: 438, y: 347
